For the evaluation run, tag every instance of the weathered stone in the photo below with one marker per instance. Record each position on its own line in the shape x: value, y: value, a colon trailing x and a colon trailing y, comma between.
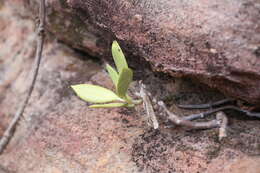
x: 214, y: 42
x: 60, y: 134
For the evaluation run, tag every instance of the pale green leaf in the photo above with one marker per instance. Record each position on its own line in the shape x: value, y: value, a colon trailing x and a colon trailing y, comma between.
x: 113, y: 74
x: 119, y: 57
x: 128, y: 98
x: 95, y: 94
x: 125, y: 78
x: 108, y: 105
x: 130, y: 105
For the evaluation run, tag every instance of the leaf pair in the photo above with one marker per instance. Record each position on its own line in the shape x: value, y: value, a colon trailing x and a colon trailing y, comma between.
x: 121, y: 77
x: 121, y: 80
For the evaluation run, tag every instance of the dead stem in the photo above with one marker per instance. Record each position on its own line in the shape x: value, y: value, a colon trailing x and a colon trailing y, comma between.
x: 222, y: 118
x: 187, y: 123
x: 152, y: 120
x: 230, y: 107
x: 208, y: 105
x: 40, y: 41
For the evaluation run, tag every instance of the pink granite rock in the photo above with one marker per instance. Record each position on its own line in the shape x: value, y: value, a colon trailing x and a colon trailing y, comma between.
x: 214, y: 42
x: 60, y: 134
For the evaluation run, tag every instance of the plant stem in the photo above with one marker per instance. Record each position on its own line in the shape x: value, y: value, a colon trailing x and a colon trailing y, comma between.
x: 187, y: 123
x: 40, y: 41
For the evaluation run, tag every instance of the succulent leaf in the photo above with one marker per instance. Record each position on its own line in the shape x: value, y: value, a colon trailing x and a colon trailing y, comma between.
x: 119, y: 57
x: 125, y: 78
x: 113, y: 74
x: 108, y: 105
x: 95, y: 94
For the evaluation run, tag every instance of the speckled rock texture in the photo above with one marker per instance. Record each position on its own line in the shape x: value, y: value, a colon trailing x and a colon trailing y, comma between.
x: 60, y: 134
x: 215, y: 42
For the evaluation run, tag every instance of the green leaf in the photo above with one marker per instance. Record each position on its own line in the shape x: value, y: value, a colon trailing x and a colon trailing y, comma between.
x: 95, y: 94
x: 113, y: 74
x: 128, y: 98
x: 108, y: 105
x: 119, y: 57
x: 125, y: 78
x: 130, y: 105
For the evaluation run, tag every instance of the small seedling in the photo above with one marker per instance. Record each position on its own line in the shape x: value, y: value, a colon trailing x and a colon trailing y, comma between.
x: 122, y: 76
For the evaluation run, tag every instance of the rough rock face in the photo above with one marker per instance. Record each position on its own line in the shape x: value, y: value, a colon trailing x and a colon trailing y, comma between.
x: 60, y: 134
x: 215, y: 42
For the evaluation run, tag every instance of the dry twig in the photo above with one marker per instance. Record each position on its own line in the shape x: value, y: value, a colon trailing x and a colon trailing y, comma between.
x: 152, y: 120
x: 223, y: 125
x: 40, y: 41
x: 218, y: 103
x: 208, y: 105
x: 187, y: 123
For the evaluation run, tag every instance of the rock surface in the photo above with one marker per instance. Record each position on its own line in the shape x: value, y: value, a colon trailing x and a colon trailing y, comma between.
x: 60, y: 134
x: 214, y: 42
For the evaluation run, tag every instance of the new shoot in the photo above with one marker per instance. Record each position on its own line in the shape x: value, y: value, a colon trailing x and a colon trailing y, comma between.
x: 102, y: 97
